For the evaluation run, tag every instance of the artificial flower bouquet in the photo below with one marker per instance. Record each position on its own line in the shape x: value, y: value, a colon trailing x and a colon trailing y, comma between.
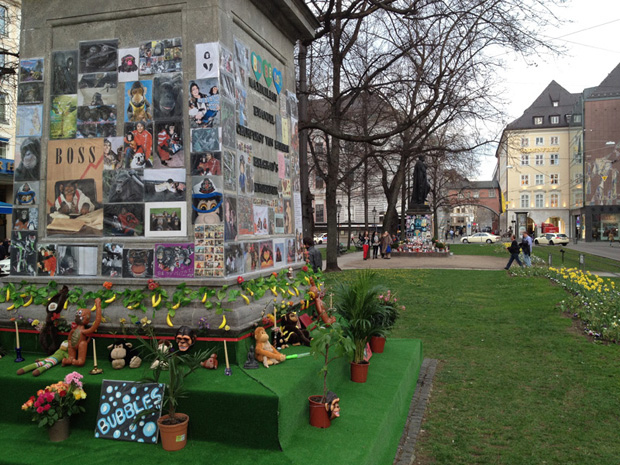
x: 57, y: 401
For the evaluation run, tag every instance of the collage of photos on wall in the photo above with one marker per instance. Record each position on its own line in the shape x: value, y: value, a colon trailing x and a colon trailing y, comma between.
x: 117, y: 165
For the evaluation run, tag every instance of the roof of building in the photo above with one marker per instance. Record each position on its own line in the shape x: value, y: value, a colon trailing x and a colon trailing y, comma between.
x: 609, y: 87
x: 555, y: 100
x: 466, y: 184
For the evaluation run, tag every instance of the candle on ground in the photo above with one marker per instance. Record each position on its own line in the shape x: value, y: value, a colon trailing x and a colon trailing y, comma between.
x: 95, y: 352
x: 17, y: 336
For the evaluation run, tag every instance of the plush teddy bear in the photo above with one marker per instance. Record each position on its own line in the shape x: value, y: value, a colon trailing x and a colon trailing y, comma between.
x: 264, y: 351
x: 292, y: 333
x: 211, y: 363
x: 122, y: 354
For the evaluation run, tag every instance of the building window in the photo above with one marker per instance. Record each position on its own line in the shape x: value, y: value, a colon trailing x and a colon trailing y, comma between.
x: 540, y: 141
x: 476, y: 194
x: 525, y: 159
x: 540, y: 159
x: 318, y: 183
x: 525, y: 142
x: 525, y: 179
x: 540, y: 179
x: 555, y: 179
x: 578, y: 178
x: 555, y: 103
x: 492, y: 193
x: 525, y: 200
x: 319, y: 213
x: 538, y: 120
x: 555, y: 200
x: 540, y: 200
x: 3, y: 107
x: 4, y: 148
x: 555, y: 119
x: 2, y: 20
x: 554, y: 159
x: 578, y: 198
x: 576, y: 118
x: 568, y: 118
x: 555, y: 140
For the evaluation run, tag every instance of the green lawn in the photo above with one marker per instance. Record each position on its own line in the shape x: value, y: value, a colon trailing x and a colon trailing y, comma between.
x: 516, y: 384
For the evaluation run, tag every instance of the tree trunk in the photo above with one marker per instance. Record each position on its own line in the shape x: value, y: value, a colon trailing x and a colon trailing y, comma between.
x: 304, y: 181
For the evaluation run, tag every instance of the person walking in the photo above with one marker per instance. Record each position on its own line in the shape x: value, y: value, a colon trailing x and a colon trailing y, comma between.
x: 366, y: 244
x: 376, y: 243
x: 526, y: 247
x: 314, y: 256
x: 611, y: 238
x: 386, y: 245
x: 514, y: 253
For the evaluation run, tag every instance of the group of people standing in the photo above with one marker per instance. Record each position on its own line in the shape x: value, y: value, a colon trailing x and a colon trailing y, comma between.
x: 525, y: 246
x: 378, y: 243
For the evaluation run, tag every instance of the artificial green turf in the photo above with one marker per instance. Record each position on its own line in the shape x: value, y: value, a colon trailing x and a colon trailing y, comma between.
x: 516, y: 384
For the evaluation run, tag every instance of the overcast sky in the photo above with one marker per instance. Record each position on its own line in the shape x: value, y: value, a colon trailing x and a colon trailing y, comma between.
x: 590, y: 35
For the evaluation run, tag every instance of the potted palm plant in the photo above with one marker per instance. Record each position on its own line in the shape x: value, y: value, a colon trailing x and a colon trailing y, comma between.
x: 385, y: 320
x: 330, y: 343
x: 178, y: 365
x: 359, y: 306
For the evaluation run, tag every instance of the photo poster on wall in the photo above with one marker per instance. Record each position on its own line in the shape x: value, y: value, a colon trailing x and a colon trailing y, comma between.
x: 137, y: 263
x: 165, y: 219
x: 119, y: 405
x: 266, y: 259
x: 128, y: 64
x: 26, y: 194
x: 25, y: 219
x: 233, y: 254
x: 209, y: 250
x: 64, y: 72
x: 98, y: 56
x: 112, y: 260
x: 204, y: 103
x: 138, y: 98
x: 161, y: 56
x: 63, y: 117
x: 279, y: 252
x: 31, y: 70
x: 46, y: 260
x: 77, y: 260
x: 29, y: 122
x: 169, y: 145
x: 207, y: 60
x: 24, y: 253
x: 74, y: 187
x: 27, y: 158
x: 174, y: 260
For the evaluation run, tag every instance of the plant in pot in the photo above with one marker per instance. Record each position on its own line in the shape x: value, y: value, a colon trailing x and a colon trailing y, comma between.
x: 178, y: 365
x: 330, y: 343
x: 385, y: 320
x: 358, y: 304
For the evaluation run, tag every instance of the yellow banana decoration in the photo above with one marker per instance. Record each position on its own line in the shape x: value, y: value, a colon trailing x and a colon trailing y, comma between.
x: 157, y: 301
x: 223, y: 322
x: 245, y: 297
x: 168, y: 320
x: 11, y: 307
x: 291, y: 292
x: 153, y: 298
x: 177, y: 305
x: 94, y: 307
x: 8, y: 294
x: 111, y: 299
x: 66, y: 304
x: 273, y: 291
x: 251, y: 293
x: 296, y: 291
x: 204, y: 298
x: 29, y: 302
x: 23, y: 296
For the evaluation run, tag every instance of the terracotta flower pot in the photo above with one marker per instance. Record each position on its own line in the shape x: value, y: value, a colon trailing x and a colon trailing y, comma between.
x: 60, y: 430
x: 173, y: 437
x: 318, y: 414
x: 359, y: 372
x: 377, y: 344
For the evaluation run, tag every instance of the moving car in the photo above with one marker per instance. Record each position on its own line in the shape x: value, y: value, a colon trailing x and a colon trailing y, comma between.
x: 320, y: 238
x: 5, y: 266
x: 480, y: 238
x: 552, y: 239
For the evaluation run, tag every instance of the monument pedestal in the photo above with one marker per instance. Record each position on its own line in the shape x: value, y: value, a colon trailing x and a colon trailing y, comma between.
x: 419, y: 221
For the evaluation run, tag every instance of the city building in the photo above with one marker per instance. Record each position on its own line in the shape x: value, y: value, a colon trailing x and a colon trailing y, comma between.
x: 533, y: 164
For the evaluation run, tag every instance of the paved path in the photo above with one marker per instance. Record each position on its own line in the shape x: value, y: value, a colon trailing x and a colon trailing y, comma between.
x: 355, y: 261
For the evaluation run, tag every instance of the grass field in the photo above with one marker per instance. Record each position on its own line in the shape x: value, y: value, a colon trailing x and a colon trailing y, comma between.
x: 516, y: 382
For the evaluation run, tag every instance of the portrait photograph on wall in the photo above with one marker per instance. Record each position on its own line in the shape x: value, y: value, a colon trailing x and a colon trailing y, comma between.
x: 27, y: 158
x: 76, y: 260
x: 138, y: 145
x: 31, y: 70
x: 25, y: 219
x: 128, y: 64
x: 164, y: 185
x: 234, y: 263
x: 98, y: 56
x: 74, y: 187
x: 29, y: 93
x: 266, y: 254
x: 208, y: 163
x: 122, y: 186
x: 24, y: 253
x: 112, y: 260
x: 64, y: 72
x: 123, y: 219
x: 204, y: 103
x: 137, y: 263
x: 96, y: 121
x: 97, y: 89
x: 169, y: 145
x: 165, y: 219
x: 138, y: 101
x: 63, y: 117
x: 46, y: 260
x: 26, y: 193
x: 168, y: 96
x: 113, y: 153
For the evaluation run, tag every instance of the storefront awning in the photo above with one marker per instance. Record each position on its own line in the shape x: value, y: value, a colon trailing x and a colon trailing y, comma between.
x: 6, y: 208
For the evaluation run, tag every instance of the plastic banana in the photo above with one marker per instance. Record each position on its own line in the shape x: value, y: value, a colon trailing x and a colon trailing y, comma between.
x: 168, y: 320
x: 245, y: 297
x: 204, y: 298
x: 29, y: 302
x: 11, y: 307
x: 177, y: 305
x: 223, y: 322
x: 111, y: 299
x: 157, y: 301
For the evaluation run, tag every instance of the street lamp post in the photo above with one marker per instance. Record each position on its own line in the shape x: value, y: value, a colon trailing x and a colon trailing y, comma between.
x: 338, y: 208
x: 506, y: 200
x: 374, y: 217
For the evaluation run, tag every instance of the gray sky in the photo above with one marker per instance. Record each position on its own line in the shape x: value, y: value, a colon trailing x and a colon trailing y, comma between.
x: 590, y: 35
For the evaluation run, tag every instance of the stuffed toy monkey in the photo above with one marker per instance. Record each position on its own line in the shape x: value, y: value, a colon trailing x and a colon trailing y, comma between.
x: 40, y: 366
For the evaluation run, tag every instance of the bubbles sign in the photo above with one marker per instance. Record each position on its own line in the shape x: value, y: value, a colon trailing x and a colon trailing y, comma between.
x: 120, y: 403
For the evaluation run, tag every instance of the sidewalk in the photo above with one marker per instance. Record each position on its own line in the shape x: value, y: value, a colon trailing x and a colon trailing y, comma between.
x: 355, y: 261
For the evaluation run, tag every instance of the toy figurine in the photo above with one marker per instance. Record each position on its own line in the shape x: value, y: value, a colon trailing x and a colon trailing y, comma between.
x: 277, y: 339
x: 318, y: 303
x: 40, y: 366
x: 211, y: 363
x: 265, y: 352
x: 123, y: 354
x: 185, y: 338
x: 292, y: 333
x: 251, y: 363
x: 79, y: 336
x: 48, y: 337
x: 332, y: 405
x: 164, y: 347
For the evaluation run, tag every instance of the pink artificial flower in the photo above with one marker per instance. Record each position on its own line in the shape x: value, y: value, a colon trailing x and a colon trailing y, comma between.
x: 39, y: 409
x: 74, y: 377
x: 49, y: 397
x: 46, y: 407
x: 381, y: 296
x: 395, y: 300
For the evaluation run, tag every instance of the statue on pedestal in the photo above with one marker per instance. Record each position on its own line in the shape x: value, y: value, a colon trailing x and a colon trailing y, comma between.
x: 420, y: 187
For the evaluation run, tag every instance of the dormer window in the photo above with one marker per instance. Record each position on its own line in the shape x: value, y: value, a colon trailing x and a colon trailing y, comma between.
x: 555, y: 103
x: 555, y: 119
x: 538, y: 120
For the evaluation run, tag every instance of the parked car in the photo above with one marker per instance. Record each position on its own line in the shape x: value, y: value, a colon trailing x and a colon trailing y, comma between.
x: 480, y: 238
x: 320, y: 238
x: 552, y: 239
x: 5, y: 266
